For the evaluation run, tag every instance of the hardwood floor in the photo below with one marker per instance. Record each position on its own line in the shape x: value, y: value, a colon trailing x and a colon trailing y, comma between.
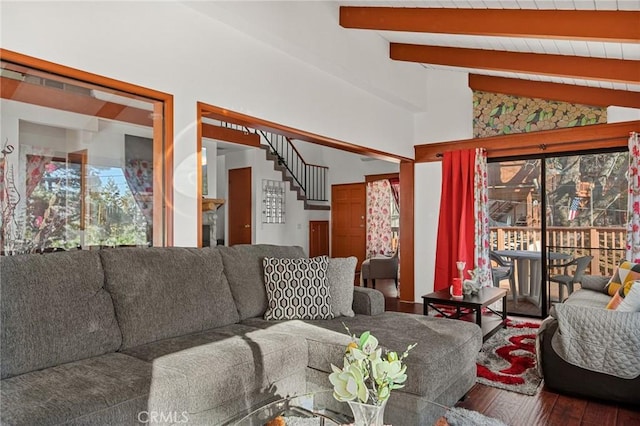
x: 547, y: 408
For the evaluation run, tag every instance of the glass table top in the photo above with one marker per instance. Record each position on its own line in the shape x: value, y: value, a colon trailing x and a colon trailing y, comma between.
x: 320, y: 409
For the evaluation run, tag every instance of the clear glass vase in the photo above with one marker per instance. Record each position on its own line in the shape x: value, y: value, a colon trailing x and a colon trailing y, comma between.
x: 367, y: 414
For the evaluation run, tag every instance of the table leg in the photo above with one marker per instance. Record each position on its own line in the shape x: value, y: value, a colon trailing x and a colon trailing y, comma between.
x: 425, y: 308
x: 523, y: 276
x: 479, y: 316
x: 504, y: 311
x: 535, y: 284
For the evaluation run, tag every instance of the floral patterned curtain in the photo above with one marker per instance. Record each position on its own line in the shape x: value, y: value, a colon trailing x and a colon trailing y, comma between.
x: 378, y: 218
x: 633, y: 224
x: 481, y: 199
x: 139, y: 175
x: 395, y: 191
x: 36, y: 165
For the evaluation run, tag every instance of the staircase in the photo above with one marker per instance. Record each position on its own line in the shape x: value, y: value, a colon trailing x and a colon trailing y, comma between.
x: 498, y: 208
x: 309, y: 181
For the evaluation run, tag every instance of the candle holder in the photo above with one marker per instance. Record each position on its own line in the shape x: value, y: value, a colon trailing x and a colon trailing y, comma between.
x: 460, y: 264
x: 456, y: 288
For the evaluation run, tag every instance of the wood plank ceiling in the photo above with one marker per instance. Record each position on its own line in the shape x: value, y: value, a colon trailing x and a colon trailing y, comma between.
x: 573, y: 43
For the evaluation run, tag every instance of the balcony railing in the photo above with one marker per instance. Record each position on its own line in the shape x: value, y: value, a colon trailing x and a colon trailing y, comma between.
x: 607, y: 245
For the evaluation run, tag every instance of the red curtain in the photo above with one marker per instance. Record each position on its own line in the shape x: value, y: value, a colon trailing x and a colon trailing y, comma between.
x: 456, y: 225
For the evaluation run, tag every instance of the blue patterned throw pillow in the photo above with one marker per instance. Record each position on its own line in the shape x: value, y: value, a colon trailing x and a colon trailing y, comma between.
x: 297, y: 288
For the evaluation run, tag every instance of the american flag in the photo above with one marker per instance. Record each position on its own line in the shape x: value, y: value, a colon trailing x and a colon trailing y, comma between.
x: 573, y: 209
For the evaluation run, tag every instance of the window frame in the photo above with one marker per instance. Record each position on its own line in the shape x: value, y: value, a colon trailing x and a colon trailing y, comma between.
x: 162, y: 133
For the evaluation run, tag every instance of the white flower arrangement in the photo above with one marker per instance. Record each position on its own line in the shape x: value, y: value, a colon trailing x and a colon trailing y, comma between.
x: 366, y: 375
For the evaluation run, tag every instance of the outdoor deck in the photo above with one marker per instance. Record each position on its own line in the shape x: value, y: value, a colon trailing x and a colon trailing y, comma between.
x: 606, y: 244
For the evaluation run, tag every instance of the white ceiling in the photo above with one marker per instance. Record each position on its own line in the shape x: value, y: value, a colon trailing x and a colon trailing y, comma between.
x: 625, y: 51
x: 310, y: 31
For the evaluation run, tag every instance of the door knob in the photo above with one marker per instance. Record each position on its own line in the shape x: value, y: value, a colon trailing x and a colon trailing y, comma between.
x: 247, y: 226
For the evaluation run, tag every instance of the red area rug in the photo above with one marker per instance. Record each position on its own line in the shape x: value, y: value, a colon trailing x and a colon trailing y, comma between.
x: 507, y: 359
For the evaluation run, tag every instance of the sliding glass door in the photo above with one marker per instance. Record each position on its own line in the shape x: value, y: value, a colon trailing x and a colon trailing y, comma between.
x: 515, y: 201
x: 551, y: 211
x: 586, y: 204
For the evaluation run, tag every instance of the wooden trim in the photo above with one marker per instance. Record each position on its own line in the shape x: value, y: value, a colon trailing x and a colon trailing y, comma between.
x: 162, y: 129
x: 596, y: 136
x: 617, y: 70
x: 168, y: 168
x: 73, y: 102
x: 407, y: 240
x: 201, y: 129
x: 612, y: 26
x: 227, y: 134
x: 51, y: 67
x: 373, y: 178
x: 223, y: 114
x: 555, y: 91
x: 158, y: 158
x: 80, y: 157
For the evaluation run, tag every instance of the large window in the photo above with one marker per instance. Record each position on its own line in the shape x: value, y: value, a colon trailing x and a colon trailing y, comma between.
x: 81, y: 164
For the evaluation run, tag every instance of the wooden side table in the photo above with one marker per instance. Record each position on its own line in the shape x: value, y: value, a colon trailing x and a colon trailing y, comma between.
x: 474, y: 303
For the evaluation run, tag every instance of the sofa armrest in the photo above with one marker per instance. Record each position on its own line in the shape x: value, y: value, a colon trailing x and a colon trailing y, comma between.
x: 594, y: 282
x: 367, y: 301
x: 597, y: 339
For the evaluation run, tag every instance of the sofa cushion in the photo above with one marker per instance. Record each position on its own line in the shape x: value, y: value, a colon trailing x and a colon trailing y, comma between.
x: 167, y: 292
x: 208, y: 377
x: 109, y: 389
x: 297, y: 288
x: 430, y: 369
x: 591, y: 298
x: 595, y: 283
x: 341, y: 276
x: 626, y: 273
x: 53, y: 310
x: 151, y: 351
x: 631, y: 302
x: 244, y: 270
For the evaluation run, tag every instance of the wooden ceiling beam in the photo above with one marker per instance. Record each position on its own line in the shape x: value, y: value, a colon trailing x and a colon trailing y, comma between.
x: 584, y: 95
x: 597, y: 25
x: 616, y: 70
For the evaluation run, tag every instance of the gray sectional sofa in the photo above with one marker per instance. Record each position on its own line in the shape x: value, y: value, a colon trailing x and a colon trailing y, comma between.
x: 587, y: 350
x: 176, y: 335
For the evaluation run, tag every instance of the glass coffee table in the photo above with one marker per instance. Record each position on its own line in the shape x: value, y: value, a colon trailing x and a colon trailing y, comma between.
x: 320, y: 409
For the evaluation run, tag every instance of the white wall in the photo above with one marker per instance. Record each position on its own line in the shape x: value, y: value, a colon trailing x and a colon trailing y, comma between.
x: 620, y: 114
x: 295, y: 230
x: 344, y: 167
x: 173, y: 48
x: 449, y: 116
x: 428, y: 178
x: 449, y: 111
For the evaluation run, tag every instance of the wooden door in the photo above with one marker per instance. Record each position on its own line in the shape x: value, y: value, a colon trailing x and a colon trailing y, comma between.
x: 239, y: 208
x: 318, y: 238
x: 348, y: 227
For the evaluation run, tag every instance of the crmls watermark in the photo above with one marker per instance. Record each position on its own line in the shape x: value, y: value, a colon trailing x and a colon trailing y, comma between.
x: 163, y: 417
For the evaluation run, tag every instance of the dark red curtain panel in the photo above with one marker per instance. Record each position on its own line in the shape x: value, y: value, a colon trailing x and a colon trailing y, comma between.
x: 456, y: 225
